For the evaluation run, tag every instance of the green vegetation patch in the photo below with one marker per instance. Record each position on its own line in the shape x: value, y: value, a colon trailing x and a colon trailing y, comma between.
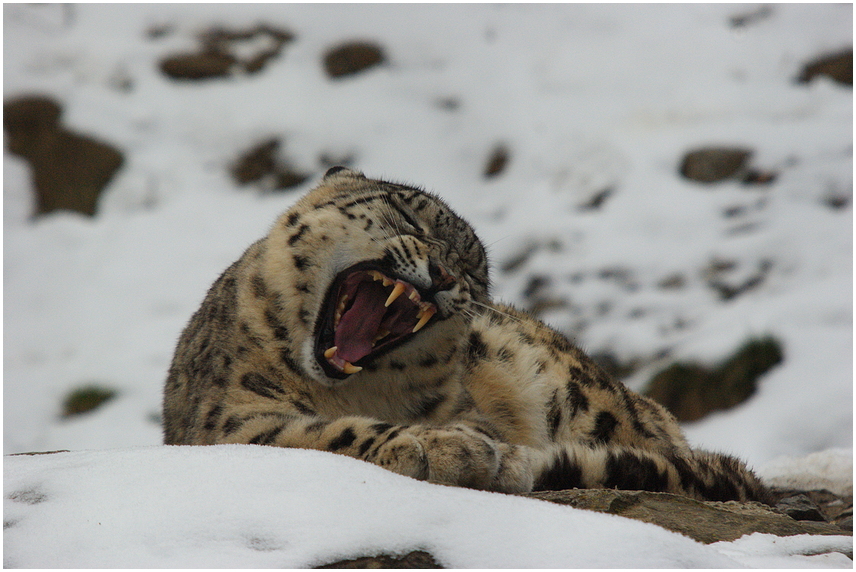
x: 86, y: 399
x: 691, y: 390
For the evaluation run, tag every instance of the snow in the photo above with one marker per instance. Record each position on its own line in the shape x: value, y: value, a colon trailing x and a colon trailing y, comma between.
x: 585, y: 97
x: 230, y: 506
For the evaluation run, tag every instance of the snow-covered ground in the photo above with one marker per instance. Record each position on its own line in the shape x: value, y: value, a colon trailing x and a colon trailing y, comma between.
x: 232, y: 506
x: 585, y: 97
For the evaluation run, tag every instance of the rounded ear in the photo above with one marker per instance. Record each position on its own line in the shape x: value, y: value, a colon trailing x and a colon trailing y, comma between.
x: 343, y: 172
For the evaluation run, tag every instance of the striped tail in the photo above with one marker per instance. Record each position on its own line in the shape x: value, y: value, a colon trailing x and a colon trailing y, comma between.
x: 698, y: 474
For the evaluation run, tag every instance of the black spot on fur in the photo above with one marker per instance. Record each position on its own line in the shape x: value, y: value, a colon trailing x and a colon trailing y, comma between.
x: 231, y: 425
x: 302, y: 407
x: 316, y: 426
x: 577, y: 400
x: 528, y: 339
x: 267, y: 437
x: 212, y: 417
x: 279, y: 331
x: 397, y: 365
x: 304, y: 316
x: 719, y: 479
x: 379, y: 428
x: 427, y: 406
x: 603, y: 381
x: 297, y: 235
x: 486, y: 430
x: 576, y: 374
x: 260, y: 385
x: 344, y: 439
x: 476, y: 348
x: 604, y: 427
x: 365, y: 446
x: 554, y: 414
x: 505, y: 354
x: 300, y: 262
x: 428, y: 361
x: 560, y: 342
x: 630, y: 472
x: 292, y: 219
x: 259, y: 286
x: 563, y: 474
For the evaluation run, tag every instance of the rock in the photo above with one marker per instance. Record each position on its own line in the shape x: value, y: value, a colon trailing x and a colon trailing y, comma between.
x: 703, y: 521
x: 752, y: 17
x: 538, y: 297
x: 838, y: 66
x: 352, y: 58
x: 497, y: 162
x: 198, y: 66
x: 415, y: 559
x: 800, y: 507
x: 85, y: 399
x: 69, y: 170
x: 712, y: 164
x: 260, y: 165
x: 819, y: 505
x: 255, y: 163
x: 596, y: 200
x: 691, y: 390
x: 217, y: 57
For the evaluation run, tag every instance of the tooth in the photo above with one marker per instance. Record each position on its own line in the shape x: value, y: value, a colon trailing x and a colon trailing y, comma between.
x: 330, y: 352
x: 424, y: 315
x: 350, y: 368
x: 381, y: 334
x: 414, y: 295
x: 386, y: 281
x: 375, y: 275
x: 397, y: 291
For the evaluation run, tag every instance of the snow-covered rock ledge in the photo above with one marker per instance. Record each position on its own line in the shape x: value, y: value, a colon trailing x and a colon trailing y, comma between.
x: 249, y: 506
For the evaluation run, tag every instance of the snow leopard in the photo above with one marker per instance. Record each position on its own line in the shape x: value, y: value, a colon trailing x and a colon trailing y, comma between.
x: 363, y: 325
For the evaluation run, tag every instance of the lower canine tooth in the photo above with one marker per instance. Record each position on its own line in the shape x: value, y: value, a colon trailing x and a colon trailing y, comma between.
x: 350, y: 368
x: 381, y: 334
x: 424, y: 316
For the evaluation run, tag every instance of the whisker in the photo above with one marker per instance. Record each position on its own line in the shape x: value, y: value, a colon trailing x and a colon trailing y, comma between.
x: 500, y: 312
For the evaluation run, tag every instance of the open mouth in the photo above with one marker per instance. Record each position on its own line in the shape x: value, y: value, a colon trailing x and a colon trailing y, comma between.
x: 367, y: 313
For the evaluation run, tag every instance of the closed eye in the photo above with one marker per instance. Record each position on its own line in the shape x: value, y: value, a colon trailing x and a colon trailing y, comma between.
x: 410, y: 221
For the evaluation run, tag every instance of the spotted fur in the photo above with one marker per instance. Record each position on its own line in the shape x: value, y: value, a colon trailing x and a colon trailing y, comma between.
x: 482, y: 396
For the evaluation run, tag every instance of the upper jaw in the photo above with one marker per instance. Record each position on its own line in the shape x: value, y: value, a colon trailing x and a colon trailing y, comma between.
x: 369, y: 311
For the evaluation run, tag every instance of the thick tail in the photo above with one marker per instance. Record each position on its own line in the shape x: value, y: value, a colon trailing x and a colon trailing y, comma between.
x: 697, y: 474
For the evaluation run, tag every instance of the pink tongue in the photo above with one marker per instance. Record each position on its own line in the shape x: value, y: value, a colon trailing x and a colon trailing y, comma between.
x: 359, y: 325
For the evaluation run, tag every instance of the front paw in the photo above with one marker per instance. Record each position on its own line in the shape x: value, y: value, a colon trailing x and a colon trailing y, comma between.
x: 403, y: 454
x: 514, y: 474
x: 461, y: 457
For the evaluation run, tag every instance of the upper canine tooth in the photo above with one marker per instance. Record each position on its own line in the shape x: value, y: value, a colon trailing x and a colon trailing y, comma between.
x: 397, y: 291
x: 330, y: 352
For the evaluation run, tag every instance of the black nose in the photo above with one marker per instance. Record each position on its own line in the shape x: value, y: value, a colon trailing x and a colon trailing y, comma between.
x: 440, y: 279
